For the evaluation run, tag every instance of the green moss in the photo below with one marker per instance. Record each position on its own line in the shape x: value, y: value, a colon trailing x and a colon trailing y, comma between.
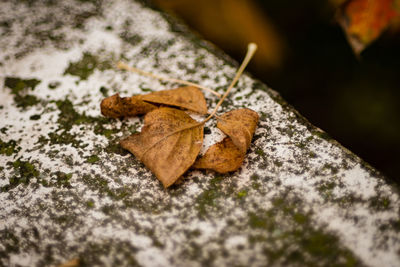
x: 301, y: 145
x: 132, y: 39
x: 90, y: 204
x: 104, y: 91
x: 62, y: 179
x: 18, y: 85
x: 63, y: 138
x: 54, y: 85
x: 23, y: 172
x: 325, y: 189
x: 257, y: 221
x: 68, y: 117
x: 86, y: 66
x: 312, y: 154
x: 58, y: 179
x: 346, y: 201
x: 9, y: 148
x: 93, y: 159
x: 242, y: 194
x: 192, y: 233
x: 300, y: 218
x: 332, y: 168
x: 255, y: 185
x: 26, y: 101
x: 395, y: 224
x: 255, y: 177
x: 89, y: 255
x: 96, y: 183
x: 144, y: 88
x: 123, y: 193
x: 208, y: 199
x: 260, y: 152
x: 292, y: 237
x: 20, y: 88
x: 321, y: 134
x: 278, y: 163
x: 379, y: 203
x: 192, y: 251
x: 4, y: 130
x: 10, y: 243
x: 115, y: 148
x: 35, y: 117
x: 327, y: 185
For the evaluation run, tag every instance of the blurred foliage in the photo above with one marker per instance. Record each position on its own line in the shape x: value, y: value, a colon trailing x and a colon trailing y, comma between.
x: 306, y: 56
x: 232, y: 25
x: 365, y: 20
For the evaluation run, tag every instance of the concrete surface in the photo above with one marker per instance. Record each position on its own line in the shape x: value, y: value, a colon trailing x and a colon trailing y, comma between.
x: 69, y: 191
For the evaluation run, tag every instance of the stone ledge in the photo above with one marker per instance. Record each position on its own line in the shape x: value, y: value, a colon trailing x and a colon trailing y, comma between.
x: 69, y: 191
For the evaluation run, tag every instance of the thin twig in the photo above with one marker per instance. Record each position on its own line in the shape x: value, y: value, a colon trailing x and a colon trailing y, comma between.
x: 251, y: 49
x: 122, y: 65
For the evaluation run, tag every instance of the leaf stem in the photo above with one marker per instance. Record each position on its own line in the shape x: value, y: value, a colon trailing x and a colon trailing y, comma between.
x: 122, y: 65
x: 251, y: 49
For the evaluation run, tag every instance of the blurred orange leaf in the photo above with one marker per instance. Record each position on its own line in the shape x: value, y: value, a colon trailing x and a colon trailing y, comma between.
x: 231, y: 25
x: 365, y: 20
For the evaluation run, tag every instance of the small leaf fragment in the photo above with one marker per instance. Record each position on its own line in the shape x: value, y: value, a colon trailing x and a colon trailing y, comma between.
x: 239, y: 125
x: 116, y: 107
x: 187, y: 97
x: 168, y: 144
x: 221, y: 157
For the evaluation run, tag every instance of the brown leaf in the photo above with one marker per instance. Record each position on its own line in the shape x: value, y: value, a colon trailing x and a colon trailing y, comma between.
x: 168, y: 144
x: 71, y: 263
x: 239, y: 125
x: 221, y: 157
x: 116, y: 107
x: 228, y: 155
x: 188, y: 97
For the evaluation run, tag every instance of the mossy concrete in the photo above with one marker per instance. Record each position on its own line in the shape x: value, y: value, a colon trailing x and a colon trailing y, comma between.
x: 68, y: 190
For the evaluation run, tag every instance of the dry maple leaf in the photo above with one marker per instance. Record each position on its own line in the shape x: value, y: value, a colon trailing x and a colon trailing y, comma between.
x: 239, y: 125
x: 221, y: 157
x: 168, y: 144
x: 188, y: 97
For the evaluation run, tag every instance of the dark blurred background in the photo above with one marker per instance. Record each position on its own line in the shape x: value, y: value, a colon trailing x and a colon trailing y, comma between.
x: 305, y: 56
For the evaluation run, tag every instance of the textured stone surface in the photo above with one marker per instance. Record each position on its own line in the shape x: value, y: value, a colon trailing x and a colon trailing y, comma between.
x: 69, y: 191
